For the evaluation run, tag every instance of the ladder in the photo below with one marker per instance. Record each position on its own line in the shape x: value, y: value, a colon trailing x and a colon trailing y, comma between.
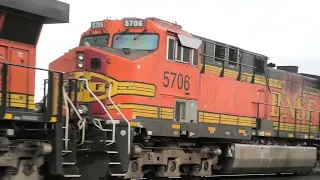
x: 69, y: 152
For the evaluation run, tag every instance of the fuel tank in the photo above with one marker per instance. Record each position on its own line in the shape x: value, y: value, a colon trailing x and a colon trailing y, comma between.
x: 257, y: 159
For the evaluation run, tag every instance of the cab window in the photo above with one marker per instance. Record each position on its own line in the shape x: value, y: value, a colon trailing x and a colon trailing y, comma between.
x: 97, y: 41
x: 195, y: 57
x: 179, y: 53
x: 136, y: 41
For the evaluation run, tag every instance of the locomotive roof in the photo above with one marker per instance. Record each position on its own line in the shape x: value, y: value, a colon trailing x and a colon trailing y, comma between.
x: 52, y: 11
x: 169, y: 26
x: 224, y: 44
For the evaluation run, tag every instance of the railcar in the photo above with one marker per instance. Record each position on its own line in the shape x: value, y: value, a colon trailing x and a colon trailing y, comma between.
x: 153, y: 100
x: 29, y: 132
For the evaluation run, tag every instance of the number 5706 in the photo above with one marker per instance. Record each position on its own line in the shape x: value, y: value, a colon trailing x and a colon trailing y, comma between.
x: 173, y: 79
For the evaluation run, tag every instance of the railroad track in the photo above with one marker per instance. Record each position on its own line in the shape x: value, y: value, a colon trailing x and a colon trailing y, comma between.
x: 253, y: 177
x: 266, y: 177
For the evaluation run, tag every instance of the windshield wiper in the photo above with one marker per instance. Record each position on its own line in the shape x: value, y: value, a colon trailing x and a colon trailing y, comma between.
x: 122, y: 34
x: 126, y: 50
x: 139, y: 35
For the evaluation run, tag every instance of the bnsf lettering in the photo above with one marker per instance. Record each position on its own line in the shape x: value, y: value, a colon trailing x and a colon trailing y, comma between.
x: 303, y: 105
x: 98, y: 86
x: 172, y: 79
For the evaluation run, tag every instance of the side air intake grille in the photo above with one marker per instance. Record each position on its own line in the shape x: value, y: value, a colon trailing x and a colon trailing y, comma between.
x: 220, y: 53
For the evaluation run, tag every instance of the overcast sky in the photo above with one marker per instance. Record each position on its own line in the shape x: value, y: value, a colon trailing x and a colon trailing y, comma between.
x: 287, y: 31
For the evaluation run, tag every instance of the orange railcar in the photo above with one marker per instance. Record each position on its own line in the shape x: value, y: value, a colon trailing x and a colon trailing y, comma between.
x: 25, y: 137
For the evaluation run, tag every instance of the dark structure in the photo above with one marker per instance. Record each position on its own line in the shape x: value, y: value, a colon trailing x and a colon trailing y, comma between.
x: 50, y: 11
x: 26, y: 138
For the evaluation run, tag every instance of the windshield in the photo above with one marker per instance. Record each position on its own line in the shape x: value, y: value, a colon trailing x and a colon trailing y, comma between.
x: 144, y: 42
x: 97, y: 41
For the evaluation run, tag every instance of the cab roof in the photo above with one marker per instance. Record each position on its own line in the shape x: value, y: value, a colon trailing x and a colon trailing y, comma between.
x: 169, y: 26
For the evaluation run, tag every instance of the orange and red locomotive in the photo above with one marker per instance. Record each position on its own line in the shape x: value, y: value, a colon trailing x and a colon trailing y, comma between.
x: 144, y: 98
x: 178, y: 104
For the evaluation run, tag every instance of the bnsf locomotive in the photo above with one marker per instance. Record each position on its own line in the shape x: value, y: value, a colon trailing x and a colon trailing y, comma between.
x: 154, y: 100
x: 142, y: 98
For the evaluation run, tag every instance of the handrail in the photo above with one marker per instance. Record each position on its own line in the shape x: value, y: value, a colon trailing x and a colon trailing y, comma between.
x: 29, y: 67
x: 4, y: 75
x: 129, y: 126
x: 106, y: 111
x: 268, y: 104
x: 66, y: 133
x: 238, y: 63
x: 81, y: 122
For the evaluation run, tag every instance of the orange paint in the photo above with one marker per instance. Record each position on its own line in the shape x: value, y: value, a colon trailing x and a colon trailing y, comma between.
x: 20, y: 80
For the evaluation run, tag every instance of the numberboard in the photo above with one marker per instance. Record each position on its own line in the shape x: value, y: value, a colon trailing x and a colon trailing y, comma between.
x: 137, y: 23
x: 97, y: 24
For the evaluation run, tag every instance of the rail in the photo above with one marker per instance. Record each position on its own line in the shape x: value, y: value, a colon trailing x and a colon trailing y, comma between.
x: 224, y: 61
x: 266, y: 105
x: 49, y: 100
x: 81, y: 122
x: 224, y: 57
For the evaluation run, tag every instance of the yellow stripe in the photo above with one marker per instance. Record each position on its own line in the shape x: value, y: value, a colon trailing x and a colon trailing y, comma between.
x: 8, y: 116
x: 299, y: 128
x: 53, y: 119
x: 245, y: 76
x: 19, y: 100
x: 168, y: 117
x: 134, y: 124
x: 149, y: 115
x: 142, y: 110
x: 206, y: 117
x: 209, y: 117
x: 166, y: 113
x: 169, y: 110
x: 175, y: 126
x: 242, y: 131
x: 212, y: 129
x: 213, y: 118
x: 227, y: 119
x: 118, y: 87
x: 267, y: 133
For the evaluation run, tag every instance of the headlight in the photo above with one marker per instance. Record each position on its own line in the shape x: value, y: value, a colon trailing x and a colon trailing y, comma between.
x: 82, y: 109
x: 80, y: 60
x: 80, y: 57
x: 80, y: 65
x: 38, y: 107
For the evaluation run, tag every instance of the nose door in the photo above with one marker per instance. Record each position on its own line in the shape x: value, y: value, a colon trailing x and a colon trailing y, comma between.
x: 96, y: 74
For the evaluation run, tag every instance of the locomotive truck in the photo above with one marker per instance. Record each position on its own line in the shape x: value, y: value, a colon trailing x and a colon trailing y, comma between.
x: 143, y: 98
x: 154, y: 100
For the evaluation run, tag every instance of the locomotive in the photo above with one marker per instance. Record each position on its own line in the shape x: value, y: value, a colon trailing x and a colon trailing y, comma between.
x: 143, y: 98
x: 152, y: 100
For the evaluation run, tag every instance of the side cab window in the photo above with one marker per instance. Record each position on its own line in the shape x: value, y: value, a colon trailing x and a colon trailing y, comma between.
x: 183, y: 52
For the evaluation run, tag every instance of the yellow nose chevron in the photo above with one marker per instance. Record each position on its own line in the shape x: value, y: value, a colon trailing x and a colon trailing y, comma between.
x: 118, y: 87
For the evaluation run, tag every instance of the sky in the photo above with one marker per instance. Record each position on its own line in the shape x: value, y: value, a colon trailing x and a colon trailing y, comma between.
x: 287, y: 31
